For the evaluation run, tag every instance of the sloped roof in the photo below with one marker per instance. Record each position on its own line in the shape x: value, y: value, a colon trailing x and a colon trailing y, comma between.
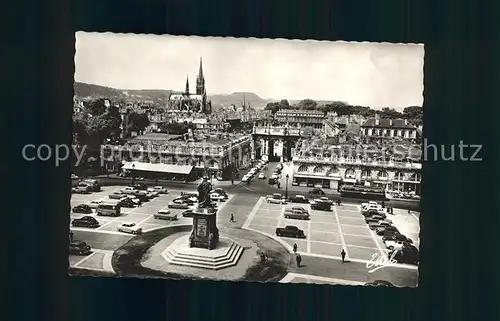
x: 386, y: 123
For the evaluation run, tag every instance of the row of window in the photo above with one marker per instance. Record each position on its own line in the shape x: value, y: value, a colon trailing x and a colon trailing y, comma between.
x: 365, y: 174
x: 387, y: 132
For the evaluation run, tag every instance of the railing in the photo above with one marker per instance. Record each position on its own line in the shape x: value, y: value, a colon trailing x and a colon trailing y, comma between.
x: 340, y: 160
x: 279, y: 131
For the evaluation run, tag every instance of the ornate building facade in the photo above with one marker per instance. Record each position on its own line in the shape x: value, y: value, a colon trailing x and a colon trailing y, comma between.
x: 333, y: 171
x: 187, y: 102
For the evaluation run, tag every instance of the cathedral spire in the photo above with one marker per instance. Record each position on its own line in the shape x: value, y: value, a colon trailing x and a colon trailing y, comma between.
x: 187, y: 84
x: 200, y: 81
x: 200, y: 72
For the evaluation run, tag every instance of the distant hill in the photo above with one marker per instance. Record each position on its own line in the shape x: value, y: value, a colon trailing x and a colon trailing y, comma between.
x: 237, y: 99
x: 90, y: 90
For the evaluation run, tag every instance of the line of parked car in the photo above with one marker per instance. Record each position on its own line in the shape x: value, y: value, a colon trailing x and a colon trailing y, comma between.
x: 254, y: 171
x: 402, y: 248
x: 85, y: 186
x: 127, y: 197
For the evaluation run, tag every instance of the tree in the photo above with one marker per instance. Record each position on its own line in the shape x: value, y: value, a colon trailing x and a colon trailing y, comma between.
x: 389, y: 113
x: 80, y: 133
x: 96, y: 107
x: 113, y: 122
x: 414, y: 114
x: 307, y: 104
x: 136, y: 122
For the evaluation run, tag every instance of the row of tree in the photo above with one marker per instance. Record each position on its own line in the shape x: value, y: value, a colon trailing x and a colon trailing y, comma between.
x: 99, y: 123
x: 414, y: 114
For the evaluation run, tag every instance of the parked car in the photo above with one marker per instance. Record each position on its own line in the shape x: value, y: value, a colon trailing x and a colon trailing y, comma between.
x: 406, y: 254
x: 129, y: 202
x: 397, y: 237
x: 128, y: 190
x: 81, y: 189
x: 246, y: 179
x: 370, y: 203
x: 160, y: 189
x: 262, y: 176
x: 393, y: 244
x: 95, y: 204
x: 79, y: 248
x: 272, y: 181
x: 130, y: 228
x: 316, y: 191
x: 381, y: 223
x: 296, y: 213
x: 93, y: 184
x: 82, y: 208
x: 165, y: 215
x: 153, y: 192
x: 326, y: 200
x: 276, y: 198
x: 298, y: 199
x: 187, y: 213
x: 382, y: 229
x: 140, y: 186
x: 180, y: 204
x: 86, y: 221
x: 371, y: 212
x: 116, y: 196
x: 320, y: 206
x: 290, y: 231
x: 217, y: 197
x: 374, y: 218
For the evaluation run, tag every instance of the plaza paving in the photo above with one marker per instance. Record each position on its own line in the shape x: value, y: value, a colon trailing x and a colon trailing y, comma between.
x: 327, y: 233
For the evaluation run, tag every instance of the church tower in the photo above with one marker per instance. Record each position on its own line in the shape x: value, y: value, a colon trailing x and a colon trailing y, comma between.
x: 187, y: 85
x: 200, y: 81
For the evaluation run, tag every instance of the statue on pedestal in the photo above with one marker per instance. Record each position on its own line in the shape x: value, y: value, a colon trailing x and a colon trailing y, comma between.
x: 205, y: 233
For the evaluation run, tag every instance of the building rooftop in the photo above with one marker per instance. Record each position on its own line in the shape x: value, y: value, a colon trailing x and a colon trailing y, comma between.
x: 300, y: 111
x: 388, y: 123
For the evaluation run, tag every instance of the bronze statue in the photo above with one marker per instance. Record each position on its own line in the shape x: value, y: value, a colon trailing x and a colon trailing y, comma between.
x: 204, y: 194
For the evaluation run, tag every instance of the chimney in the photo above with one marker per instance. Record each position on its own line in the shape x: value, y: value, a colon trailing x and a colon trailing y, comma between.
x: 377, y: 121
x: 390, y: 122
x: 406, y: 121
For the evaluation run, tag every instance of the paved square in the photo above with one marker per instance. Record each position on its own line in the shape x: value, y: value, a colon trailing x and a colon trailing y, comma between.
x: 356, y: 230
x: 321, y: 218
x: 275, y: 213
x: 325, y: 248
x: 326, y: 232
x: 326, y: 237
x: 330, y: 227
x: 352, y: 221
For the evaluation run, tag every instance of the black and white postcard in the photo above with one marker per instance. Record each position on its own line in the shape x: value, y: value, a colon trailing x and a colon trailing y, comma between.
x: 243, y: 159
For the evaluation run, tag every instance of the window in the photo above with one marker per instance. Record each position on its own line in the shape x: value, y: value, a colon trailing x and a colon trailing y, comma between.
x: 350, y: 173
x: 399, y: 176
x: 302, y: 168
x: 318, y: 169
x: 383, y: 175
x: 365, y: 174
x: 417, y: 177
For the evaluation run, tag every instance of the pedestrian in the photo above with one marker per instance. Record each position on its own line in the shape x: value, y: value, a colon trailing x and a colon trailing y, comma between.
x: 409, y: 212
x: 383, y: 204
x: 232, y: 218
x: 295, y: 248
x: 279, y: 185
x: 298, y: 258
x: 342, y: 254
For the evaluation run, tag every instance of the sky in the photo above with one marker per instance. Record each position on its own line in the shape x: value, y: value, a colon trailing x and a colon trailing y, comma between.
x: 359, y: 73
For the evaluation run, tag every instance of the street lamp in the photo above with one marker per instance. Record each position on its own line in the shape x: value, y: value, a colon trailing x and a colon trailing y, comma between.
x: 133, y: 174
x: 286, y: 186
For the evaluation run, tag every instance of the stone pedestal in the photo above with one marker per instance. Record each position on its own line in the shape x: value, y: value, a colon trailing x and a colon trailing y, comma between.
x: 205, y: 233
x: 227, y: 254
